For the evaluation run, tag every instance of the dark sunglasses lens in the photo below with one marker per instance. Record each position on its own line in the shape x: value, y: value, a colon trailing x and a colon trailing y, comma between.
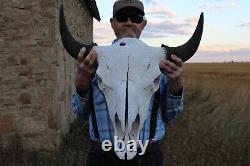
x: 136, y: 18
x: 121, y: 17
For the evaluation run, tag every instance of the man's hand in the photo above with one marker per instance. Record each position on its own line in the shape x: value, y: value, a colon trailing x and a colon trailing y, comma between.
x: 174, y: 71
x: 85, y: 68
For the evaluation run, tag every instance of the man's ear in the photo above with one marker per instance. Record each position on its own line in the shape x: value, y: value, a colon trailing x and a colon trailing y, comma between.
x: 112, y: 22
x: 144, y: 23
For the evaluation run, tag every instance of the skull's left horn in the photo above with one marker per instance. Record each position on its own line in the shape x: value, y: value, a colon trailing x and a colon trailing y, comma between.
x: 70, y: 44
x: 187, y: 50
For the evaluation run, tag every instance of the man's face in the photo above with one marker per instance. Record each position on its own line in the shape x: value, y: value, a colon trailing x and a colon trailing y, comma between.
x: 128, y: 22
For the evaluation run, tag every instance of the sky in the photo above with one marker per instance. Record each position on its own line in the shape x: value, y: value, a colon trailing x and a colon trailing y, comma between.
x: 226, y: 33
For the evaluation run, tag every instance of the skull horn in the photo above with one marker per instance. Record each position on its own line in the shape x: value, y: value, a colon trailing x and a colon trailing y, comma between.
x: 70, y: 44
x: 187, y: 50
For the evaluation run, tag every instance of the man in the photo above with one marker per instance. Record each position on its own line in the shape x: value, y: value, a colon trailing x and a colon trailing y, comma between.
x: 128, y: 21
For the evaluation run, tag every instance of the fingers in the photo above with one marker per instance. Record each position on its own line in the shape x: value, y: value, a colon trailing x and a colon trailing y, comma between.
x: 88, y: 61
x: 80, y: 56
x: 171, y: 65
x: 90, y: 58
x: 85, y: 68
x: 172, y: 69
x: 165, y: 68
x: 177, y: 60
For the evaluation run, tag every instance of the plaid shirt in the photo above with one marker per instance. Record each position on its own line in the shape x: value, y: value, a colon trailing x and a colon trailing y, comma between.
x: 171, y: 104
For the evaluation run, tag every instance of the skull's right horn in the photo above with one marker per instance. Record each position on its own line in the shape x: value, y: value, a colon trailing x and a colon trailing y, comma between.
x: 70, y: 44
x: 187, y: 50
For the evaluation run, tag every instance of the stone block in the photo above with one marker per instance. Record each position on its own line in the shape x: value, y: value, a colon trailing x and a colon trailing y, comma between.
x: 25, y: 98
x: 6, y: 123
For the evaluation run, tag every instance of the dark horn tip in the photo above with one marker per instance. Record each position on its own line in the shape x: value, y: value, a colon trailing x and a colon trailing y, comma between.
x: 202, y: 16
x: 187, y: 50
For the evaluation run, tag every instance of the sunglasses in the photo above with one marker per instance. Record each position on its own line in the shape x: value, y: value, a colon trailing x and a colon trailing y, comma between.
x: 124, y: 17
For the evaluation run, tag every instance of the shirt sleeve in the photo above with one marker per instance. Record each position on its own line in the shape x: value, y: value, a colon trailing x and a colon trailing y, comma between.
x: 79, y: 106
x: 170, y: 104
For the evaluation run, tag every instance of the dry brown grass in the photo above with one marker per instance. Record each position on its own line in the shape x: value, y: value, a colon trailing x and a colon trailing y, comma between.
x: 72, y: 152
x: 214, y: 129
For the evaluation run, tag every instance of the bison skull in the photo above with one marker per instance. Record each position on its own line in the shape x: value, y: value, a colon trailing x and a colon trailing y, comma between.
x: 128, y: 75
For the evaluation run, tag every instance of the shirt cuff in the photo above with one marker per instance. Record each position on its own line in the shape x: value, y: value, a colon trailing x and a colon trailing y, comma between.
x: 84, y: 98
x: 174, y: 103
x: 180, y: 93
x: 79, y: 105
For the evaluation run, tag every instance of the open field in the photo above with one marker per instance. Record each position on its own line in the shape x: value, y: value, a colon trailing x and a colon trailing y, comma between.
x: 214, y: 128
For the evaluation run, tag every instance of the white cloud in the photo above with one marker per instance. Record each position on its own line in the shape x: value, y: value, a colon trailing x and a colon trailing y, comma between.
x: 222, y: 53
x: 170, y: 26
x: 245, y: 24
x: 151, y: 2
x: 103, y: 33
x: 220, y: 5
x: 224, y: 50
x: 162, y: 11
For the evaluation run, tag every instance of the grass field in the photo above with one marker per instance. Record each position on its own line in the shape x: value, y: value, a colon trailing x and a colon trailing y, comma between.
x: 214, y: 128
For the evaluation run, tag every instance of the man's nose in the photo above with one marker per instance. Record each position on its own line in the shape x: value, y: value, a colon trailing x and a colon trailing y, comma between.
x: 129, y: 21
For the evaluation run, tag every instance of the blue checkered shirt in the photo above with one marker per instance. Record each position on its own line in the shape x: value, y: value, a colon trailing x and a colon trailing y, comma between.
x: 171, y: 104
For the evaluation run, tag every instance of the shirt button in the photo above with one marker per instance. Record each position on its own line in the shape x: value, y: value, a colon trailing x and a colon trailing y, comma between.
x: 122, y: 44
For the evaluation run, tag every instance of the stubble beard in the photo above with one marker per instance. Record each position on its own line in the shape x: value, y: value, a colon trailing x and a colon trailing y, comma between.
x: 128, y: 31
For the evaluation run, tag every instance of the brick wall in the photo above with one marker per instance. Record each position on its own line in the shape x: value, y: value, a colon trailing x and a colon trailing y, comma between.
x: 37, y: 75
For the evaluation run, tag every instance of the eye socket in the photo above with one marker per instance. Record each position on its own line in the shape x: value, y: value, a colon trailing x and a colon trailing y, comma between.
x: 154, y: 85
x: 102, y: 85
x: 99, y: 79
x: 156, y: 81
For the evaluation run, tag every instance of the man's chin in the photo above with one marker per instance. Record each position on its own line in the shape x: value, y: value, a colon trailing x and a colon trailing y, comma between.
x: 132, y: 35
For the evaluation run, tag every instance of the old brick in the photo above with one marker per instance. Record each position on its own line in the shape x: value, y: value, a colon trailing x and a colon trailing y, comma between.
x: 41, y: 82
x: 6, y: 123
x: 28, y: 42
x: 25, y: 98
x: 5, y: 128
x: 24, y: 71
x: 51, y: 120
x: 23, y: 61
x: 29, y: 126
x: 12, y: 61
x: 26, y: 84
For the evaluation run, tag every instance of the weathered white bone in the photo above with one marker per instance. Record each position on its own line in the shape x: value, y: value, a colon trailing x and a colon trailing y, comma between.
x: 129, y: 63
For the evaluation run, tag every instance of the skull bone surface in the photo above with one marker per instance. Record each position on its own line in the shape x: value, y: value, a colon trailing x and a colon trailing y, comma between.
x: 128, y: 75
